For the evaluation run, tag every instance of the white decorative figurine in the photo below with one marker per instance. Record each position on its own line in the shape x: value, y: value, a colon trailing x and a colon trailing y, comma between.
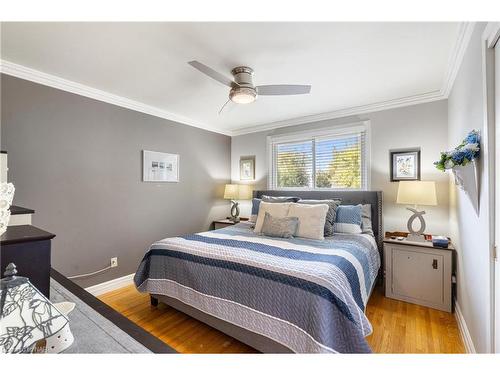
x: 6, y: 196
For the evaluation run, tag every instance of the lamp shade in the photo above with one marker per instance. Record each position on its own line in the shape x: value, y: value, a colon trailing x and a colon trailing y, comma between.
x: 417, y: 192
x: 234, y: 191
x: 27, y: 317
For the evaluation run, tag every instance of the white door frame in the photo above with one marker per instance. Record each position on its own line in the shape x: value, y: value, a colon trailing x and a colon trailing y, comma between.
x: 490, y: 37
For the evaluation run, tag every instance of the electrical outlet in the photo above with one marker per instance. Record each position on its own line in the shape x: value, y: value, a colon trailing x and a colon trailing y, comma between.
x: 114, y: 262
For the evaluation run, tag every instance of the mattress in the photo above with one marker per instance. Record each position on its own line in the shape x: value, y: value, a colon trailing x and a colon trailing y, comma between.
x: 308, y: 295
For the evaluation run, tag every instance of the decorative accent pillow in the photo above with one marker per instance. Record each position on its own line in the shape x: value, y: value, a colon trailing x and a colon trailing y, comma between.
x: 312, y: 219
x: 366, y: 219
x: 275, y: 209
x: 283, y: 227
x: 330, y: 215
x: 349, y: 219
x: 255, y: 209
x: 270, y: 199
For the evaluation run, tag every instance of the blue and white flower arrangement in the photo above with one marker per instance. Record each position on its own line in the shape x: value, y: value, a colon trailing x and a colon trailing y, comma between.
x: 463, y: 154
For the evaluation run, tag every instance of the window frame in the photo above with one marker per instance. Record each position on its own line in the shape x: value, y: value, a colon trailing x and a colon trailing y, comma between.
x: 325, y: 133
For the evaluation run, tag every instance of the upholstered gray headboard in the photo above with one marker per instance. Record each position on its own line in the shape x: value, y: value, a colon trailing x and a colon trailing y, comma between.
x: 348, y: 197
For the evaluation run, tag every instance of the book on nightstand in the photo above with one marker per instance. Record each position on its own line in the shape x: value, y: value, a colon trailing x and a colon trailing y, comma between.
x: 440, y: 241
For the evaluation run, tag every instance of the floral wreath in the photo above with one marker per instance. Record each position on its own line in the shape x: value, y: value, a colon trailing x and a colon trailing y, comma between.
x: 463, y: 154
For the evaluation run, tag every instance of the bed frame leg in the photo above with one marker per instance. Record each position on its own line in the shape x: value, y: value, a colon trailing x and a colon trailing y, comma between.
x: 154, y: 301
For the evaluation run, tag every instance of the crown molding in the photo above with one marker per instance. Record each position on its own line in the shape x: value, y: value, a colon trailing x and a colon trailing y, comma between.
x: 457, y: 55
x: 23, y: 72
x: 351, y: 111
x: 455, y: 60
x: 491, y: 34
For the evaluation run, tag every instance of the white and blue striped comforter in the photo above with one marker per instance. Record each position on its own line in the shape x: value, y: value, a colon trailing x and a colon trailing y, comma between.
x: 305, y: 294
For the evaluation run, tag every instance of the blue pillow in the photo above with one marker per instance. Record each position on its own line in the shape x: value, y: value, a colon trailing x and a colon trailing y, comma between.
x: 255, y: 206
x: 349, y: 219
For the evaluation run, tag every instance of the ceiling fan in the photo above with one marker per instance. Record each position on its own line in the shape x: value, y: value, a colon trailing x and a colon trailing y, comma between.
x: 243, y: 90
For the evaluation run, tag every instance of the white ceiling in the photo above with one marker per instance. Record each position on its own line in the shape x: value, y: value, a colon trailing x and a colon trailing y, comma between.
x: 348, y: 64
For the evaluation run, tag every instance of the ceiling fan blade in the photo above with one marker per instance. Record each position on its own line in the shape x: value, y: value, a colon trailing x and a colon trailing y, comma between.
x: 211, y: 73
x: 283, y: 89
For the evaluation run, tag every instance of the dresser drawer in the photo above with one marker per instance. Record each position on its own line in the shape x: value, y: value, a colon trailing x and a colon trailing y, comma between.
x: 419, y: 275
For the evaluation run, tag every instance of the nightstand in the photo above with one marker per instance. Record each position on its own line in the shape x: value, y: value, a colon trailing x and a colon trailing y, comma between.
x: 218, y: 224
x: 419, y: 273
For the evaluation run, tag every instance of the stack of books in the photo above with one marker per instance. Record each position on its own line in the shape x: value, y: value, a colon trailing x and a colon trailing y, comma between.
x: 440, y: 241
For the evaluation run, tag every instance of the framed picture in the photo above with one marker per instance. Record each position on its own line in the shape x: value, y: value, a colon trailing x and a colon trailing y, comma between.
x: 247, y: 168
x: 160, y: 167
x: 405, y: 165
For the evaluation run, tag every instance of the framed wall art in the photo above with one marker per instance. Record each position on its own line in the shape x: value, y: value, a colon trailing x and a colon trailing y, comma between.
x: 247, y: 168
x: 405, y: 165
x: 160, y: 167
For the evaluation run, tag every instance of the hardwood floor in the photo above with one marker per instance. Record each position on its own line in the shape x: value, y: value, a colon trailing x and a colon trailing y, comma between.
x: 398, y: 327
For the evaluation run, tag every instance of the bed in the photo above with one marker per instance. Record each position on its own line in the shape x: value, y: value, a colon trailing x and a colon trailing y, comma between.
x: 276, y: 295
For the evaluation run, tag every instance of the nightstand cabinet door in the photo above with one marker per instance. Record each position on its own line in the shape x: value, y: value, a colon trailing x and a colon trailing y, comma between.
x: 418, y: 275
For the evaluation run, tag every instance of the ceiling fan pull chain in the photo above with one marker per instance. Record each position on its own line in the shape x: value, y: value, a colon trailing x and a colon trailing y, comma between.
x: 220, y: 110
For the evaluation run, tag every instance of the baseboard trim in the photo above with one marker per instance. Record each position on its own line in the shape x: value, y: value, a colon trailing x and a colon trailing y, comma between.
x: 109, y: 286
x: 464, y: 331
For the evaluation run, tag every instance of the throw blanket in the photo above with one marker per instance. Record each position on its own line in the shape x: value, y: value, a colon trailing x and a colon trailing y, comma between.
x: 308, y: 295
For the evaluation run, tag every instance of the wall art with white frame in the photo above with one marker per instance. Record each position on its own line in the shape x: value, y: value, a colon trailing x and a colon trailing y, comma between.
x: 160, y: 167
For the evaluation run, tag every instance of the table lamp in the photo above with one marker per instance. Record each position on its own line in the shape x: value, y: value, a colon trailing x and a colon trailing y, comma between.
x: 237, y: 192
x: 417, y: 193
x: 29, y: 322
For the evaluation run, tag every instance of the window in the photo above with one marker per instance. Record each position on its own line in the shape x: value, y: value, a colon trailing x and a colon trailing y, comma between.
x: 326, y: 159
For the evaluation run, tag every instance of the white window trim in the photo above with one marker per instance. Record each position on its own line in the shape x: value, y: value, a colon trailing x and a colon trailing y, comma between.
x: 319, y: 133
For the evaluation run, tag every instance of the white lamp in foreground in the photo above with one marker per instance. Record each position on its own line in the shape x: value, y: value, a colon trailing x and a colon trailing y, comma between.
x: 237, y: 192
x: 29, y: 322
x: 417, y: 193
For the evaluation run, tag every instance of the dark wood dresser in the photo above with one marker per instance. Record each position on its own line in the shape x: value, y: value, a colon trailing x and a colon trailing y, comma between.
x: 28, y: 247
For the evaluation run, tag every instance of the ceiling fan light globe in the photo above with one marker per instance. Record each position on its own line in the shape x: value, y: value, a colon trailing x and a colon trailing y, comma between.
x: 243, y: 95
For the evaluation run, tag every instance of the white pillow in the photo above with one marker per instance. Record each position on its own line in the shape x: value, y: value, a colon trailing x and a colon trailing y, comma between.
x: 312, y: 219
x: 278, y: 210
x: 366, y: 218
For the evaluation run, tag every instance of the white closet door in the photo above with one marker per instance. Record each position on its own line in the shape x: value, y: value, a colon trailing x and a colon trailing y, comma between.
x: 497, y: 196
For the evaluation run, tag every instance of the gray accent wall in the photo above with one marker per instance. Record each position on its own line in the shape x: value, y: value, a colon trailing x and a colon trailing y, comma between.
x: 469, y: 231
x: 78, y: 163
x: 423, y: 125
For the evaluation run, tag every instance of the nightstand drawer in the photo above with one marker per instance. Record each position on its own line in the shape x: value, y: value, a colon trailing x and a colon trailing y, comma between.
x: 418, y: 274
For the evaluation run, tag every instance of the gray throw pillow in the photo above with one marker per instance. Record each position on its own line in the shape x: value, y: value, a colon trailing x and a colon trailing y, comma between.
x: 366, y: 218
x: 285, y: 227
x: 330, y: 215
x: 270, y: 199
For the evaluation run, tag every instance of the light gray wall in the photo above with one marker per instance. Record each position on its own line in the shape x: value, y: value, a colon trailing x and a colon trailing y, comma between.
x: 468, y: 230
x: 423, y: 126
x: 78, y: 163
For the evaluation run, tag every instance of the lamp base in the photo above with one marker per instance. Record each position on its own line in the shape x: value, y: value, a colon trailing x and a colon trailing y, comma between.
x: 415, y: 237
x: 235, y: 212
